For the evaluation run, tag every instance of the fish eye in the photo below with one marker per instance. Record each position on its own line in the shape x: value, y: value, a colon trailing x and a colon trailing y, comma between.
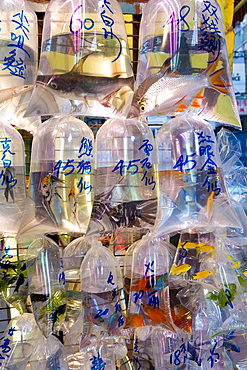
x: 53, y: 85
x: 142, y: 107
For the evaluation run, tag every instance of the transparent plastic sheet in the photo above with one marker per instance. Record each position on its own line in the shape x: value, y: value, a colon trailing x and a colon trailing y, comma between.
x: 143, y: 356
x: 149, y: 292
x: 192, y: 191
x: 85, y: 64
x: 183, y: 62
x: 126, y: 193
x: 103, y: 298
x: 60, y: 194
x: 18, y: 342
x: 235, y: 173
x: 73, y: 256
x: 12, y: 178
x: 46, y: 283
x: 203, y: 282
x: 18, y: 61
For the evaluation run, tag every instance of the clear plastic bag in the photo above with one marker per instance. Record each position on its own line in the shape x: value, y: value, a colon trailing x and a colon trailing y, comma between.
x: 73, y: 256
x: 12, y: 179
x: 204, y: 287
x: 85, y: 64
x: 102, y: 293
x: 61, y: 178
x: 235, y: 173
x: 18, y: 342
x: 18, y: 61
x: 183, y: 62
x: 192, y: 191
x: 13, y: 274
x: 46, y: 283
x: 149, y: 292
x: 126, y: 193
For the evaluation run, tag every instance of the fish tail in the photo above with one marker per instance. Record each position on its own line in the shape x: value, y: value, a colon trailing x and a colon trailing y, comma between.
x: 217, y: 82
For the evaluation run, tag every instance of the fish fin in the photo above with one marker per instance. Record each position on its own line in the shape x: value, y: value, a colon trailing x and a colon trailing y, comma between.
x: 199, y: 95
x: 49, y: 211
x: 106, y: 102
x: 195, y: 103
x: 78, y: 67
x: 217, y: 82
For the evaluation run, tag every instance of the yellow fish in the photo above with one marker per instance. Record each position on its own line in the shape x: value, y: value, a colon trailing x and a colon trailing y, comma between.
x: 235, y: 264
x: 203, y: 274
x: 175, y: 270
x: 207, y: 248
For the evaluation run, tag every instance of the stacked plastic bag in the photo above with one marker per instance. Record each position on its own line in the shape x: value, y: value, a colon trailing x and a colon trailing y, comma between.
x: 124, y: 243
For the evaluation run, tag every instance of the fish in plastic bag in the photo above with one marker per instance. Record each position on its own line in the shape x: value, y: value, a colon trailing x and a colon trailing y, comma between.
x: 102, y: 293
x: 61, y: 178
x: 183, y: 62
x: 48, y: 354
x: 126, y: 193
x: 12, y: 178
x: 85, y: 63
x: 73, y: 255
x: 18, y: 61
x: 46, y: 283
x: 192, y: 190
x: 203, y: 282
x: 13, y: 274
x: 149, y: 291
x: 18, y: 342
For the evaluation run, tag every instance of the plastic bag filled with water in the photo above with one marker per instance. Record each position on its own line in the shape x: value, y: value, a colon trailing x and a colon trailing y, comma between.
x: 46, y: 283
x: 192, y: 190
x: 18, y: 342
x: 12, y: 179
x: 61, y: 183
x: 102, y: 293
x: 18, y: 61
x: 85, y: 64
x: 73, y: 256
x: 149, y: 292
x: 204, y: 288
x: 13, y: 274
x: 183, y: 62
x: 126, y: 193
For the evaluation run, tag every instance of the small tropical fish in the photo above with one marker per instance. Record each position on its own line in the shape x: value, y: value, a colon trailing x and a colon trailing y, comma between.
x: 11, y: 92
x: 149, y: 282
x: 49, y: 190
x: 200, y: 247
x: 182, y: 317
x: 207, y: 249
x: 73, y: 204
x: 10, y: 181
x: 76, y: 85
x: 135, y: 320
x: 157, y: 316
x: 175, y: 270
x: 167, y: 92
x: 235, y: 264
x: 203, y: 274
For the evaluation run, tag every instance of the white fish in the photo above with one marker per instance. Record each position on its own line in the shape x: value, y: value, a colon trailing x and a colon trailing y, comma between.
x: 167, y: 92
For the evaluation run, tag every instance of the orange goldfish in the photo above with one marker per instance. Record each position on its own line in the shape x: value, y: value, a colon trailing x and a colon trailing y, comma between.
x: 166, y: 92
x: 182, y: 317
x: 157, y: 316
x: 135, y: 320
